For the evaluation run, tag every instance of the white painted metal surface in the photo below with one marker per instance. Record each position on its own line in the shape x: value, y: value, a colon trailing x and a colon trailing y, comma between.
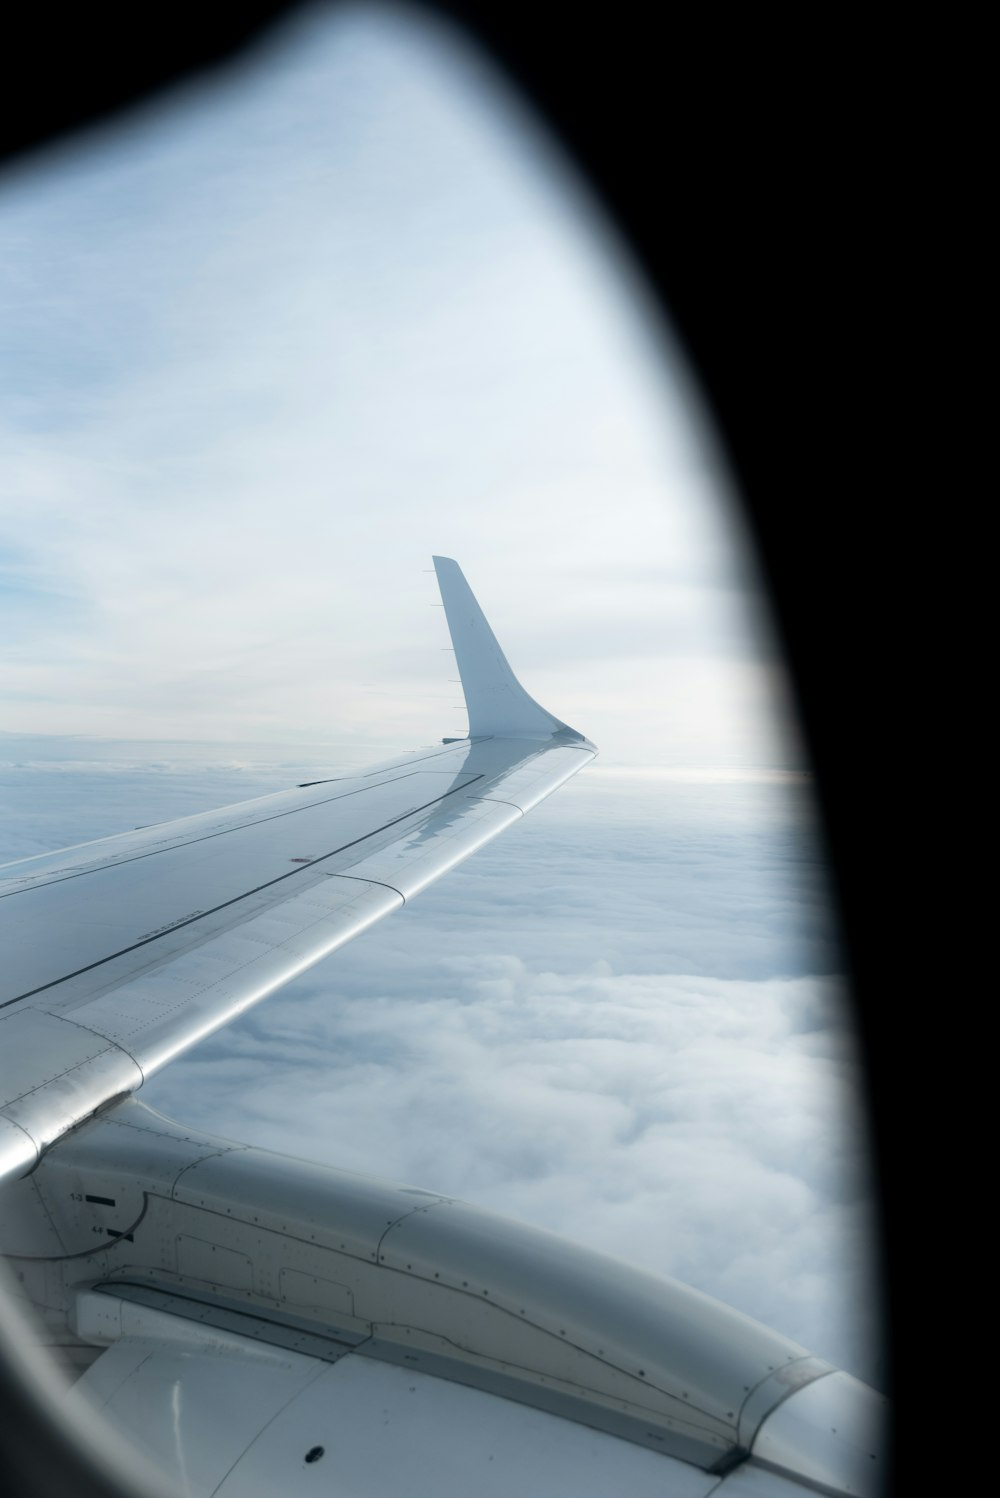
x: 232, y: 1422
x: 750, y: 1480
x: 496, y: 700
x: 832, y: 1434
x: 312, y: 1259
x: 194, y: 1411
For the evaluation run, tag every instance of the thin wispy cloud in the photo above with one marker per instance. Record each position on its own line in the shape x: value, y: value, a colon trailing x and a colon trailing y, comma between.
x: 282, y: 341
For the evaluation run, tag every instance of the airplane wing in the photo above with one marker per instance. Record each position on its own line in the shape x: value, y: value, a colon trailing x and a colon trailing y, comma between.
x: 121, y: 953
x: 245, y: 1317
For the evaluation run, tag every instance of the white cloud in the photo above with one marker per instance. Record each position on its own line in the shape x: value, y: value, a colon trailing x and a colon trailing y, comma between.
x: 676, y: 1121
x: 621, y: 1021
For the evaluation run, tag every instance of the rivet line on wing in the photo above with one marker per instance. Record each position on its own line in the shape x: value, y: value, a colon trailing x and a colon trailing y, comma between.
x: 98, y: 1035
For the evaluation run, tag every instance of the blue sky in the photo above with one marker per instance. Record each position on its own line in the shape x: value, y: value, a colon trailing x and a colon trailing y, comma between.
x: 263, y: 350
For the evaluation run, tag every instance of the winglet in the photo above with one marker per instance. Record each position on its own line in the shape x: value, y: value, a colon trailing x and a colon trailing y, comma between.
x: 498, y: 705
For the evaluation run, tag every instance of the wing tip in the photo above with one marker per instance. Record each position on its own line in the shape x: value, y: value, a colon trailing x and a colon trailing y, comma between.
x: 497, y: 703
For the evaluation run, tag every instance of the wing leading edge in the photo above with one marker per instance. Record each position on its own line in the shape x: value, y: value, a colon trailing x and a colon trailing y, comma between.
x: 121, y: 954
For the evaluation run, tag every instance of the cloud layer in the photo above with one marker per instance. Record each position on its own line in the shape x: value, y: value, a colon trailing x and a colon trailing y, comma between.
x: 621, y: 1021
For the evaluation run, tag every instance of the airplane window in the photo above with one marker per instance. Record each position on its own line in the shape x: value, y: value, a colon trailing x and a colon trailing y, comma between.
x: 272, y: 342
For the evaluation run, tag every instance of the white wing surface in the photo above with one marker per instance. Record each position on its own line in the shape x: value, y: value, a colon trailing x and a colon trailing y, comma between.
x: 120, y: 954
